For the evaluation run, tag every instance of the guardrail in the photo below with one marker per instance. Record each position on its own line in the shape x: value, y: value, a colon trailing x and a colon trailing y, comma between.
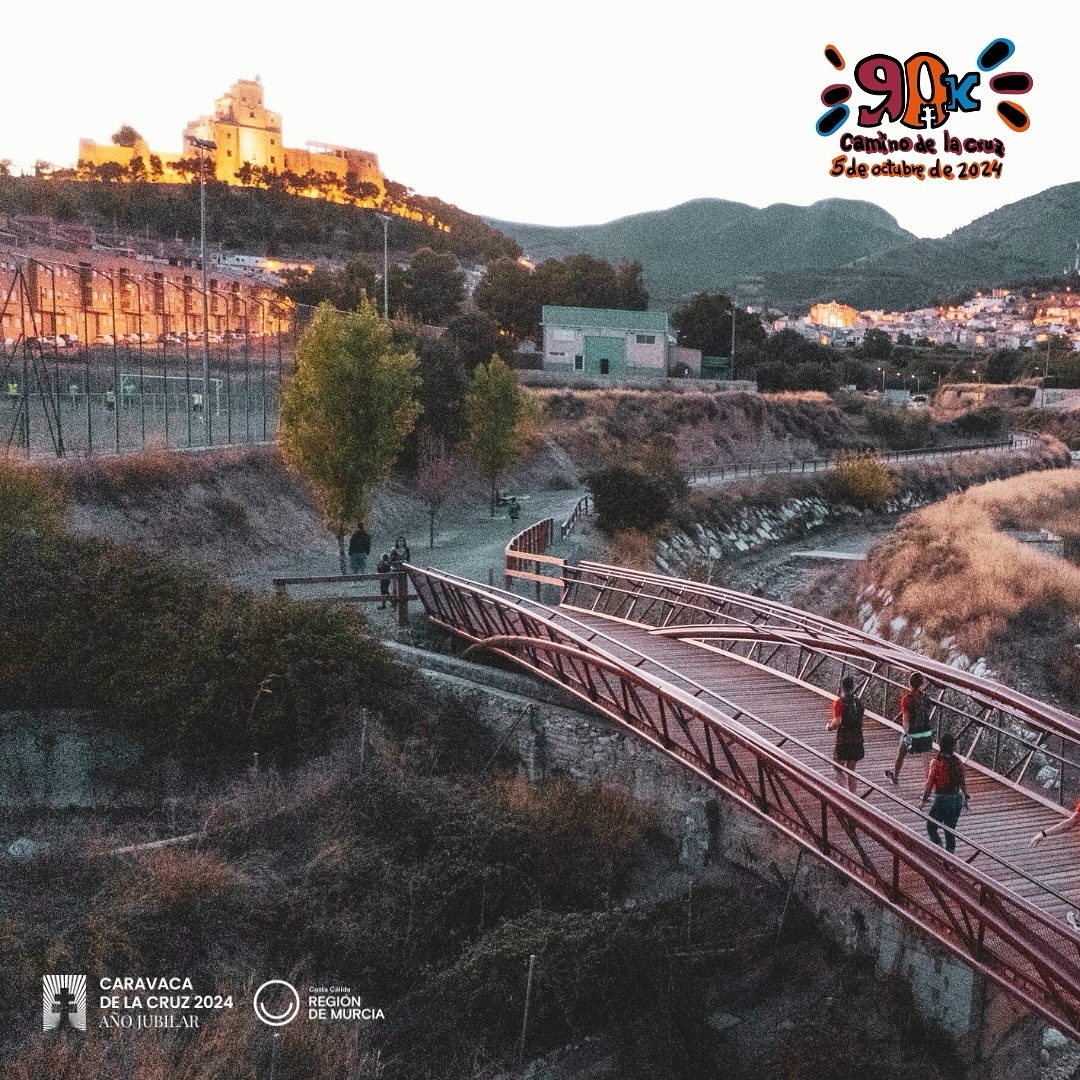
x: 582, y: 509
x: 398, y: 598
x: 527, y: 548
x: 812, y: 465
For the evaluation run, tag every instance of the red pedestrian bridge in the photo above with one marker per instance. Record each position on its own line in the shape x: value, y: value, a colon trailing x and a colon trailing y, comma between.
x: 737, y: 689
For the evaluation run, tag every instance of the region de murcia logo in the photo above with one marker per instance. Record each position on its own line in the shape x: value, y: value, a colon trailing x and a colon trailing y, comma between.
x: 63, y: 1002
x: 276, y: 1003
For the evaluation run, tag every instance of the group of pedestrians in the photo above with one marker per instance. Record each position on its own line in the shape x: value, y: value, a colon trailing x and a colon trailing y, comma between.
x: 390, y: 563
x: 946, y: 781
x: 945, y: 777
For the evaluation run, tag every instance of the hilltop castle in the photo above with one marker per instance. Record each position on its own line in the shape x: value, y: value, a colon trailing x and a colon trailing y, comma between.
x: 246, y: 133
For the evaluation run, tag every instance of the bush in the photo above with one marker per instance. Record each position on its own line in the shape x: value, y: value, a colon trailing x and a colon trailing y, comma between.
x: 863, y: 480
x: 898, y: 429
x: 982, y: 424
x: 28, y: 505
x: 628, y: 498
x: 189, y: 666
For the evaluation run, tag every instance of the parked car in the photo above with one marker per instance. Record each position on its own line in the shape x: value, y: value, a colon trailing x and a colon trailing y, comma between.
x: 104, y: 339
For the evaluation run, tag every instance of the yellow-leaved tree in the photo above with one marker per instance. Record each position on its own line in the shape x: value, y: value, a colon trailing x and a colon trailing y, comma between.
x: 494, y: 407
x: 347, y: 411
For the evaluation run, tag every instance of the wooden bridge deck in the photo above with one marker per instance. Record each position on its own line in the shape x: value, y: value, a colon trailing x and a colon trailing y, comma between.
x: 1000, y: 818
x: 661, y: 657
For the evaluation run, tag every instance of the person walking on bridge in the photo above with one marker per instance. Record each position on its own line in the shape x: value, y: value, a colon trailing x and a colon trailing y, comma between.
x: 1064, y: 825
x: 945, y: 781
x: 918, y: 734
x: 847, y: 722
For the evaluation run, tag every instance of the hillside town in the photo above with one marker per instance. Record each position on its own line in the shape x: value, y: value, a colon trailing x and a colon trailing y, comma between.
x: 1000, y: 319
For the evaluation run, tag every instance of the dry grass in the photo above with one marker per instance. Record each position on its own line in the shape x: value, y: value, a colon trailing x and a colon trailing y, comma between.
x: 566, y: 808
x: 1038, y: 501
x: 953, y: 571
x: 631, y: 548
x: 863, y: 480
x: 131, y: 479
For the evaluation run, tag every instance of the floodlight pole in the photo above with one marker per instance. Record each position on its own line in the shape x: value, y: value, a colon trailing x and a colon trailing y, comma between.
x: 385, y: 275
x: 203, y: 145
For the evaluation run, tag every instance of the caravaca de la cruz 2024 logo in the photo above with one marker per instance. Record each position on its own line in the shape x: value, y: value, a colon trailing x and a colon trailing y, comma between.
x: 923, y: 95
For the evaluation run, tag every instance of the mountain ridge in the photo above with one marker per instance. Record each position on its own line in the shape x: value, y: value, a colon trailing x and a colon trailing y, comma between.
x: 842, y: 249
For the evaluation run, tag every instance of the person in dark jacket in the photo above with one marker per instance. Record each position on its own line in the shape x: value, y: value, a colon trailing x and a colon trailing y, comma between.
x: 847, y: 722
x: 359, y: 549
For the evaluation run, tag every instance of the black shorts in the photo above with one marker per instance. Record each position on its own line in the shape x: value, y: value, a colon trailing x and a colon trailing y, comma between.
x: 922, y: 742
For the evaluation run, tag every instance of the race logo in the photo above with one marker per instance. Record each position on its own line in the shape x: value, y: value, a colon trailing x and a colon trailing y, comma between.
x: 922, y: 95
x: 276, y: 1003
x: 63, y: 1002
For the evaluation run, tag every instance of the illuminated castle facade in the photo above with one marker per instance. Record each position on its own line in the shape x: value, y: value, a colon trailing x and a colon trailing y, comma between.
x: 246, y: 132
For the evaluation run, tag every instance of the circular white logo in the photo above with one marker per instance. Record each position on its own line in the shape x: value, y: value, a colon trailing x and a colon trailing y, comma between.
x: 292, y: 1009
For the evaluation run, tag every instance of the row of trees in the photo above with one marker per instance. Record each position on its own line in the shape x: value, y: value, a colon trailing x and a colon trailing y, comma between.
x: 356, y: 399
x: 513, y: 293
x: 788, y: 361
x: 429, y: 290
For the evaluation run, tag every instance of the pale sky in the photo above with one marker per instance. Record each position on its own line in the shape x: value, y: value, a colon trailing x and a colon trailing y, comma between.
x: 562, y: 112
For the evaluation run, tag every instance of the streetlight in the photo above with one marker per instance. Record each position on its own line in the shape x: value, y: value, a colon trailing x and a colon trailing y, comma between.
x: 385, y: 218
x: 882, y: 370
x: 202, y: 145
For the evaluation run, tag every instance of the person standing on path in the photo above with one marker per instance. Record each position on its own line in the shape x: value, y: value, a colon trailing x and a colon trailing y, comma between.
x: 946, y: 782
x: 359, y: 549
x: 847, y: 722
x: 918, y: 734
x: 401, y: 546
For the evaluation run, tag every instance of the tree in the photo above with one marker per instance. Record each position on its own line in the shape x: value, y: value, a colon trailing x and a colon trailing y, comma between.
x: 627, y: 497
x: 704, y: 322
x: 876, y: 345
x: 347, y: 411
x: 493, y: 406
x: 112, y: 172
x: 585, y: 281
x: 434, y: 287
x: 126, y: 135
x: 509, y: 293
x: 446, y: 368
x: 435, y: 479
x: 137, y: 168
x: 188, y: 167
x: 157, y: 170
x: 1003, y: 366
x: 343, y: 289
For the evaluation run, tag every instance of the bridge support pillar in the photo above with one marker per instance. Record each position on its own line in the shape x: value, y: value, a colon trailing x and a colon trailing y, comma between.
x: 999, y: 1037
x: 695, y: 840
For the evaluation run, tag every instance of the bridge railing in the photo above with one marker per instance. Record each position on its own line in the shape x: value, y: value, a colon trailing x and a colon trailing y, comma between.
x: 1035, y: 956
x: 582, y: 509
x: 812, y: 465
x: 1025, y: 743
x: 528, y: 549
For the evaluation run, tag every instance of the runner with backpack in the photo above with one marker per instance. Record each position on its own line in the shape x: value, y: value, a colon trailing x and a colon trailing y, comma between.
x: 918, y: 734
x: 945, y: 780
x: 847, y: 722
